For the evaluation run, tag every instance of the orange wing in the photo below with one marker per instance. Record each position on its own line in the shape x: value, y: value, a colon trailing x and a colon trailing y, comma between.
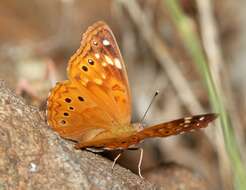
x: 96, y: 98
x: 161, y: 130
x: 97, y: 69
x: 72, y: 114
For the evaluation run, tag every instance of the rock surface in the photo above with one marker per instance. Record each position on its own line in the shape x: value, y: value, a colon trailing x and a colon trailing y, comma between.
x: 177, y: 177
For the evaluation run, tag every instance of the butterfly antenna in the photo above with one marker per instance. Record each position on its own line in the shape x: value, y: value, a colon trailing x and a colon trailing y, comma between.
x: 152, y: 100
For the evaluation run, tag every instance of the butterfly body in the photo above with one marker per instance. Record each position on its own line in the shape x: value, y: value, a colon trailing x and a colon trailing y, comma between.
x: 93, y: 107
x: 122, y: 139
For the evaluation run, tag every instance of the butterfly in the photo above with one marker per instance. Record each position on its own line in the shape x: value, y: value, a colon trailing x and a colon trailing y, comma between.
x: 93, y: 107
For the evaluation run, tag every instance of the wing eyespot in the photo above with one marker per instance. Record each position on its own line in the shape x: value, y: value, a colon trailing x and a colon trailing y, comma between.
x: 90, y: 61
x: 81, y: 98
x: 84, y: 68
x: 68, y: 100
x: 66, y: 114
x: 71, y: 108
x: 62, y: 122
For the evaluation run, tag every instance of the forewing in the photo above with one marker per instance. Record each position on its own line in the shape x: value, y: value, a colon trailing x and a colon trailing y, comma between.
x: 98, y: 70
x: 97, y: 89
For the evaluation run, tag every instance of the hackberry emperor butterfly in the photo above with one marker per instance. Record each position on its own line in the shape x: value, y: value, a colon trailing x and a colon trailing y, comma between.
x: 93, y: 107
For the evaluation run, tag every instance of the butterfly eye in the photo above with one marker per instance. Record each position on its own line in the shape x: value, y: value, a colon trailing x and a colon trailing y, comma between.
x: 90, y: 61
x: 68, y: 100
x: 85, y: 68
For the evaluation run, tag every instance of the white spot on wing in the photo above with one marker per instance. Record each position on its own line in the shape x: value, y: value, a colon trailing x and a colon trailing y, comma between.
x: 117, y: 63
x: 97, y: 55
x: 109, y: 60
x: 104, y: 64
x: 106, y: 42
x: 187, y: 121
x: 202, y: 118
x: 188, y: 118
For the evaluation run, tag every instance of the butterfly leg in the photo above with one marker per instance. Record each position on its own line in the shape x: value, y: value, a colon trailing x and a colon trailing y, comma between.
x: 140, y: 159
x: 140, y: 163
x: 115, y: 159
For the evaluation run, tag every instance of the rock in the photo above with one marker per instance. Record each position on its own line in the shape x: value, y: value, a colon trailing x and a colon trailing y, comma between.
x: 176, y: 177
